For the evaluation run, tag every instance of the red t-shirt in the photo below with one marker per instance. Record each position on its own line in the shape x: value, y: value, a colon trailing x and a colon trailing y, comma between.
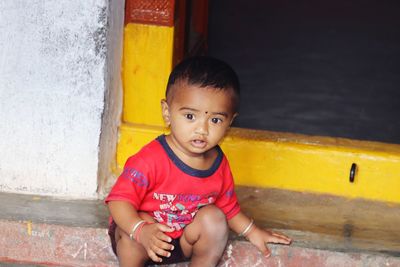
x: 156, y: 181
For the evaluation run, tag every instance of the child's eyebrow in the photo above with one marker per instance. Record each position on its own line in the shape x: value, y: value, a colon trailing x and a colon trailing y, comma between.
x: 224, y: 114
x: 188, y: 109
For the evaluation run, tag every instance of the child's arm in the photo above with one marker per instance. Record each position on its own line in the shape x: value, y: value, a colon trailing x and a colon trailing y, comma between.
x: 151, y: 236
x: 241, y: 224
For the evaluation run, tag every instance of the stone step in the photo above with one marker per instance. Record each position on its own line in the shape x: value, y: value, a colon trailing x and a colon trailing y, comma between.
x: 43, y: 231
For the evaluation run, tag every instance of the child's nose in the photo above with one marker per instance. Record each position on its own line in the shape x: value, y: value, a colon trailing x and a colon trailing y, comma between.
x: 202, y: 128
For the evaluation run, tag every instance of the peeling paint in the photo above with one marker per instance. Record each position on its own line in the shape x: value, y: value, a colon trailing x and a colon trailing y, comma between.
x: 84, y: 248
x: 29, y: 227
x: 100, y: 35
x: 229, y: 251
x: 85, y: 251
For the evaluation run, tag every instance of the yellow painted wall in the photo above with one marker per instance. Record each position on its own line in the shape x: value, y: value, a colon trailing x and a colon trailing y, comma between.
x: 147, y: 62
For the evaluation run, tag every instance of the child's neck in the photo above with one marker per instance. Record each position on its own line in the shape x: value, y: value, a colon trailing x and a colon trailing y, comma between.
x: 202, y: 161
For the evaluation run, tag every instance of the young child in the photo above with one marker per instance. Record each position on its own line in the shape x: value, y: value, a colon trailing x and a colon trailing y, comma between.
x: 175, y: 199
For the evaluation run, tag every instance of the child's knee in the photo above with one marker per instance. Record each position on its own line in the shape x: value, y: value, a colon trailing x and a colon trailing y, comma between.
x: 212, y: 212
x: 213, y: 219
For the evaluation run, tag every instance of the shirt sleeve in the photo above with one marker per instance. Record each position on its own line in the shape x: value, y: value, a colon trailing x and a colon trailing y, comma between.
x: 133, y: 183
x: 227, y: 199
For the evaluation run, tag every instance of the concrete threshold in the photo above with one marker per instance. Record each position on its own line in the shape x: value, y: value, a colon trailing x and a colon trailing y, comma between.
x: 327, y: 231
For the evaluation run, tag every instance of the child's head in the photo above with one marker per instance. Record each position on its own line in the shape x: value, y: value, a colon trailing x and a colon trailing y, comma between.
x: 206, y: 72
x: 202, y: 100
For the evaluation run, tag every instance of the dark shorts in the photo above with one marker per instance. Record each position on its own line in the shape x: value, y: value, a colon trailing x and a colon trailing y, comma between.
x: 176, y: 254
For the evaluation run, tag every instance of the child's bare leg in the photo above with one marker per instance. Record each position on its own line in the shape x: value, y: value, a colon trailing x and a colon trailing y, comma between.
x: 204, y: 240
x: 130, y: 253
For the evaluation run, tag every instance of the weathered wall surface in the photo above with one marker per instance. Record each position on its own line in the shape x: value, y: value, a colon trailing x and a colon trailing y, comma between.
x: 54, y: 84
x: 113, y: 104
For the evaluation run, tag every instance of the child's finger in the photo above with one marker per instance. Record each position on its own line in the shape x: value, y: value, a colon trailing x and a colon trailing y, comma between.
x: 153, y: 256
x: 163, y: 237
x: 273, y: 235
x: 164, y: 244
x: 164, y: 228
x: 264, y: 250
x: 267, y: 253
x: 160, y: 251
x: 278, y: 240
x: 284, y: 237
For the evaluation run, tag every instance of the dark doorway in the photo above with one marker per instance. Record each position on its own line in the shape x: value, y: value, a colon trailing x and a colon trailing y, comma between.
x: 328, y: 68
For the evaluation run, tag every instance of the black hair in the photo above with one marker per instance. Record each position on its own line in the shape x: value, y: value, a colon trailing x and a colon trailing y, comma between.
x: 206, y: 71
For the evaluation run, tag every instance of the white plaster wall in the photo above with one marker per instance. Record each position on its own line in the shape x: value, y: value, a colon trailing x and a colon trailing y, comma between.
x: 52, y: 93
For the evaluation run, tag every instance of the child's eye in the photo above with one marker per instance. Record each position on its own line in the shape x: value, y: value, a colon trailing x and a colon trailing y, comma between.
x: 216, y: 120
x: 189, y: 116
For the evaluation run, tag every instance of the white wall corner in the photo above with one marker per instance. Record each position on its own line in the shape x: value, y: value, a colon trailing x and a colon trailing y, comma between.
x: 113, y: 97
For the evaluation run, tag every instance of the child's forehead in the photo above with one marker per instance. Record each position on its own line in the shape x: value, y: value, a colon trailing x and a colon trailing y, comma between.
x: 185, y: 88
x: 207, y: 99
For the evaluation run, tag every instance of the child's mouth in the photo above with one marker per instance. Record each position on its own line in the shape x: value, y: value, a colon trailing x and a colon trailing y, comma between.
x: 199, y: 143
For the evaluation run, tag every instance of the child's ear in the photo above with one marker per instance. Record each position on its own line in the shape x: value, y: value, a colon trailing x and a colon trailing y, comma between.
x: 233, y: 118
x: 165, y: 112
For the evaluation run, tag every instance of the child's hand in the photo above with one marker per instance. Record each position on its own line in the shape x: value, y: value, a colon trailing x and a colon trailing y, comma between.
x: 155, y: 242
x: 259, y: 238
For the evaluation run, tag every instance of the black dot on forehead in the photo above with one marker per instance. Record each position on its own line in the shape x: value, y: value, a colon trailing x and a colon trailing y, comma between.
x: 206, y: 112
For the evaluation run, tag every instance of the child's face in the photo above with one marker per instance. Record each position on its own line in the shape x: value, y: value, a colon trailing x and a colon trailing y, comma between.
x: 198, y: 117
